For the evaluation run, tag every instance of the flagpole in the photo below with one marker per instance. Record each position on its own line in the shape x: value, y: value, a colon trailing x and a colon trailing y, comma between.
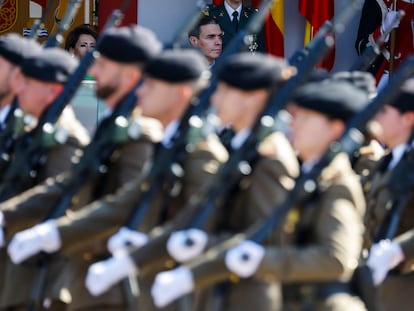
x: 392, y: 44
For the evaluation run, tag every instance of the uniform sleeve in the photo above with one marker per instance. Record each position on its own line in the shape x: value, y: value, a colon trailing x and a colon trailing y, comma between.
x: 31, y: 206
x: 335, y: 251
x: 333, y: 256
x: 99, y: 219
x: 369, y: 25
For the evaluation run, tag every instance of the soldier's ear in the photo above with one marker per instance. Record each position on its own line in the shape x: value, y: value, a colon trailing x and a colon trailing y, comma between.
x: 193, y: 41
x: 409, y: 118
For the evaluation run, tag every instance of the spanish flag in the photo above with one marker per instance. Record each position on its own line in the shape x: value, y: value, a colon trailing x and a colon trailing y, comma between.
x: 316, y: 13
x: 274, y: 28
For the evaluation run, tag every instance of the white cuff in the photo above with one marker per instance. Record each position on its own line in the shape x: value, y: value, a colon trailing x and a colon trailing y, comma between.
x: 245, y: 258
x: 26, y: 243
x: 170, y: 285
x: 124, y: 238
x: 186, y: 244
x: 103, y: 275
x: 49, y: 234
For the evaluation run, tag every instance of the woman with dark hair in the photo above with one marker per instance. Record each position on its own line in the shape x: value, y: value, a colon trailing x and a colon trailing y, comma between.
x: 80, y: 40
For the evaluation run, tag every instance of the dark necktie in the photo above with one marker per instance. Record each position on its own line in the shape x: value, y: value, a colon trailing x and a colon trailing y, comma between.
x: 235, y: 21
x: 386, y: 160
x: 226, y: 136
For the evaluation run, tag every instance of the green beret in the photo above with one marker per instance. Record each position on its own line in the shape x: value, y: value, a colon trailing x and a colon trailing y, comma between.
x: 405, y: 100
x: 335, y: 99
x: 50, y: 65
x: 177, y: 66
x: 248, y: 71
x: 129, y: 44
x: 14, y: 48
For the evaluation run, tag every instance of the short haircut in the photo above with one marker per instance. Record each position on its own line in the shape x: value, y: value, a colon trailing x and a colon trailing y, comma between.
x: 205, y: 20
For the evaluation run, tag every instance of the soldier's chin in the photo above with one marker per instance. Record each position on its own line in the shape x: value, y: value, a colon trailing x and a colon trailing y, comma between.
x: 374, y: 130
x: 105, y: 92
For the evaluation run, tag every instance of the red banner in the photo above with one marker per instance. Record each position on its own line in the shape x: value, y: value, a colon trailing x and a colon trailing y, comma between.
x: 316, y: 13
x: 274, y: 28
x: 106, y: 7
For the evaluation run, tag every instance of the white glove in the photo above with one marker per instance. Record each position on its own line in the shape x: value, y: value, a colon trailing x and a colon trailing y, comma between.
x: 2, y: 236
x: 124, y: 238
x: 245, y: 258
x: 186, y: 244
x: 102, y: 275
x: 170, y: 285
x: 390, y: 21
x: 383, y: 256
x: 26, y: 243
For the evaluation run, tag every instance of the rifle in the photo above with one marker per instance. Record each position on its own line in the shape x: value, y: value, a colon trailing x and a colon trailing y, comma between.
x: 70, y: 13
x: 370, y: 54
x: 31, y: 149
x: 166, y: 158
x: 39, y: 22
x: 306, y: 184
x: 392, y: 43
x: 323, y: 31
x: 199, y: 208
x: 301, y: 54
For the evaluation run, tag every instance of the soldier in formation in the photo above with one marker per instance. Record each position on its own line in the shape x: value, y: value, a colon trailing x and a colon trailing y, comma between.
x: 163, y: 217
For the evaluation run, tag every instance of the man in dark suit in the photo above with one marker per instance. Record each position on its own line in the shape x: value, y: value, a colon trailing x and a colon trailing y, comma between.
x: 232, y: 16
x: 207, y: 36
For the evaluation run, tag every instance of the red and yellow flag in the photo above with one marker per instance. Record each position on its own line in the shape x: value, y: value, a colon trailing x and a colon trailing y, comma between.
x: 274, y: 29
x: 316, y: 13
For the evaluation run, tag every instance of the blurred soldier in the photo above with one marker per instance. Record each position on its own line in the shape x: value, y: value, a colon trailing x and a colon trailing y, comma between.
x: 13, y: 50
x: 207, y: 37
x: 172, y: 81
x: 123, y: 53
x: 321, y: 241
x: 245, y: 83
x: 366, y: 158
x: 397, y: 124
x: 42, y: 79
x: 232, y: 16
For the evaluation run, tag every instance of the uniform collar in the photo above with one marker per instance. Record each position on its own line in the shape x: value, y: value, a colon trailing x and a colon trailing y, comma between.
x: 3, y: 113
x: 239, y: 138
x: 397, y: 154
x: 169, y: 133
x: 230, y: 10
